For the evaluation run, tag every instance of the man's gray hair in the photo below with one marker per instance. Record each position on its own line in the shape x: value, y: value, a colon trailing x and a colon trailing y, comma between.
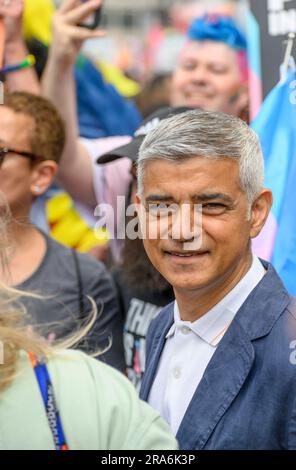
x: 206, y: 134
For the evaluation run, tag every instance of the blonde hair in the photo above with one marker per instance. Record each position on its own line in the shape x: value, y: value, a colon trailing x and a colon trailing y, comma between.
x: 14, y: 336
x: 14, y: 333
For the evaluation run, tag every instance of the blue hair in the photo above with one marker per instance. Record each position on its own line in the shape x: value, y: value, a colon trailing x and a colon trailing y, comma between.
x: 217, y: 28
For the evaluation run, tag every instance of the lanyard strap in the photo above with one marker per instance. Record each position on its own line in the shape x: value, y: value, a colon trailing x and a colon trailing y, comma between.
x: 47, y: 393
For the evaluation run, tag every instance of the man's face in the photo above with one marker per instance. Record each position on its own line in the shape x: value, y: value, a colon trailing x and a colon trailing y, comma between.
x: 208, y: 76
x: 224, y: 234
x: 16, y: 171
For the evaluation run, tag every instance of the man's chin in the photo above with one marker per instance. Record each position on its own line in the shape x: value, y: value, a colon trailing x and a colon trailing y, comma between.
x: 192, y: 282
x: 189, y: 286
x: 198, y: 102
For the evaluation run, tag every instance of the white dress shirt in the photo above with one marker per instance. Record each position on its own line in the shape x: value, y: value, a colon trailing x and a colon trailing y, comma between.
x: 189, y: 348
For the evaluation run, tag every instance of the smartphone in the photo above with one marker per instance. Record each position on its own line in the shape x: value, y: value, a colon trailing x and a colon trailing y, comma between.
x: 92, y: 21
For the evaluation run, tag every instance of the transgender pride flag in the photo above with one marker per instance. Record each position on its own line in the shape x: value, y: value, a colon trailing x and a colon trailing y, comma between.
x: 276, y: 127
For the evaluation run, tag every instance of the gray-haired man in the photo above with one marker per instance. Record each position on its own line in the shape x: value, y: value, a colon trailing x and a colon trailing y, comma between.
x: 219, y: 359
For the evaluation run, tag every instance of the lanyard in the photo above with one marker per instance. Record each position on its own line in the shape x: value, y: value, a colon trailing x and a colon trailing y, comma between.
x: 47, y: 393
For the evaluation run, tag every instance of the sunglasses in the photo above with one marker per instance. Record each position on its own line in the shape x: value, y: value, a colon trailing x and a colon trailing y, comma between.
x: 6, y: 150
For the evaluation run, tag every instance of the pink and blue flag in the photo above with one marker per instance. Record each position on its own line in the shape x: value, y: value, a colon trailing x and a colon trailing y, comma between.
x: 275, y: 125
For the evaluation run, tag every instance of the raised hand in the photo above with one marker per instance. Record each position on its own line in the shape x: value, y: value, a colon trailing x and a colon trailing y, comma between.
x: 68, y: 37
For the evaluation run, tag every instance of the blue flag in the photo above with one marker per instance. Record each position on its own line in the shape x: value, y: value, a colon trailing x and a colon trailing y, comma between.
x: 276, y: 127
x: 102, y: 111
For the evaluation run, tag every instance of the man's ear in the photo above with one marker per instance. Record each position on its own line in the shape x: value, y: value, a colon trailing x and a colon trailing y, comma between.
x: 139, y: 208
x: 259, y: 212
x: 137, y: 201
x: 42, y: 177
x: 244, y: 99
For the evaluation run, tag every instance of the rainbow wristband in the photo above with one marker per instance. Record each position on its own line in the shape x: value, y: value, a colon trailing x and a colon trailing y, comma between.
x: 29, y: 61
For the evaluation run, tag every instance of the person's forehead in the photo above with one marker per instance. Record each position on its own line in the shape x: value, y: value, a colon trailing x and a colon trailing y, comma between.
x: 192, y: 176
x: 15, y: 126
x: 211, y: 51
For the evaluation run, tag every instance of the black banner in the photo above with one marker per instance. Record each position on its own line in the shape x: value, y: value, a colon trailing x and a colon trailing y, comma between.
x: 276, y: 19
x: 138, y: 459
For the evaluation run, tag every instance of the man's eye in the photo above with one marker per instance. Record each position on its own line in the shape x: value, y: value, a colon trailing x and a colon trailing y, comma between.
x: 219, y: 70
x: 188, y: 66
x: 213, y: 207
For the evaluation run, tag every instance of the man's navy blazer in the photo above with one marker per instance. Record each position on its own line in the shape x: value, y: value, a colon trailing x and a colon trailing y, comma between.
x: 246, y: 398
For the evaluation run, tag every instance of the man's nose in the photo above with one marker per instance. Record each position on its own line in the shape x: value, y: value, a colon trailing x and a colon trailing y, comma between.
x: 199, y: 75
x: 186, y: 225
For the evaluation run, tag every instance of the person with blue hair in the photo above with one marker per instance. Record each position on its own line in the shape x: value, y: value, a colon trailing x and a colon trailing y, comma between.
x: 212, y: 72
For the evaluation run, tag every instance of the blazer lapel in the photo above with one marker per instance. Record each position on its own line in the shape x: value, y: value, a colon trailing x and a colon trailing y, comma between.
x: 156, y: 350
x: 221, y: 382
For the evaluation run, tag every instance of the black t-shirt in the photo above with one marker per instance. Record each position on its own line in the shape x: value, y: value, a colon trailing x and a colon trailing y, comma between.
x: 138, y: 308
x: 59, y: 313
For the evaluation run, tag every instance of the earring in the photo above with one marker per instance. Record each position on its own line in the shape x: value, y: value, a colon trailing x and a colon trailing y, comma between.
x: 36, y: 189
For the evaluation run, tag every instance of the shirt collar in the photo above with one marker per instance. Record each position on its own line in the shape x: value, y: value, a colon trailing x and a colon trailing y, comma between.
x: 212, y: 326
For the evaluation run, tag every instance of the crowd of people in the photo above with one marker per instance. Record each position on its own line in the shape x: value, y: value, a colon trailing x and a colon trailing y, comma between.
x: 201, y: 327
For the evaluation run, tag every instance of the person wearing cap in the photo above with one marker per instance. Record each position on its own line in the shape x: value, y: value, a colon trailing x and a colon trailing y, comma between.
x: 79, y: 174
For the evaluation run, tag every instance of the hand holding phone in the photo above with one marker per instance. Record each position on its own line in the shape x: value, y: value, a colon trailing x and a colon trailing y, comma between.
x: 93, y: 21
x: 69, y: 32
